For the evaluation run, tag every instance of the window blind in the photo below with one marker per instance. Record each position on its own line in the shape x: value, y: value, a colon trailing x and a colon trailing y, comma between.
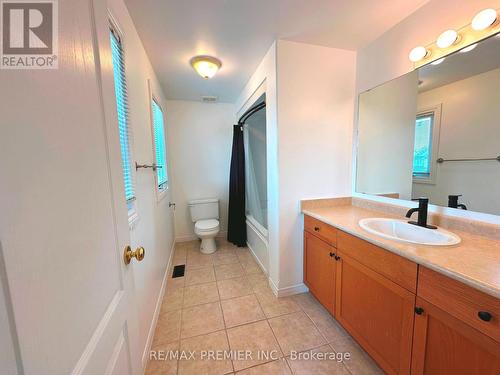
x: 159, y: 141
x: 122, y: 112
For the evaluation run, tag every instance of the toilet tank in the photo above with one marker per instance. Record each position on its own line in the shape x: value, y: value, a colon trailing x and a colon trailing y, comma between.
x: 203, y: 209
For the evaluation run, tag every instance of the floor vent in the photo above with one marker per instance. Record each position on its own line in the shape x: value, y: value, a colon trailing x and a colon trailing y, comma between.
x: 178, y: 271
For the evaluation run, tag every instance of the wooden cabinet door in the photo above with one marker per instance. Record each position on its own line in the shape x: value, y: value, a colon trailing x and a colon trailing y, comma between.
x: 319, y: 270
x: 377, y: 312
x: 443, y: 344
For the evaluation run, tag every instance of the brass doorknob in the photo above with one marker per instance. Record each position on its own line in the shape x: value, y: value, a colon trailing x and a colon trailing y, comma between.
x: 128, y: 254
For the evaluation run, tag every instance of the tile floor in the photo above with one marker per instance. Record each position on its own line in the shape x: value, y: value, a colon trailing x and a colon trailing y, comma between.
x: 224, y: 305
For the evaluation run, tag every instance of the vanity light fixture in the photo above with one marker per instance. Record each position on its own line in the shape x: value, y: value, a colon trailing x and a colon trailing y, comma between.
x: 469, y: 48
x: 437, y: 62
x: 206, y: 66
x: 447, y: 39
x: 417, y: 53
x: 484, y: 19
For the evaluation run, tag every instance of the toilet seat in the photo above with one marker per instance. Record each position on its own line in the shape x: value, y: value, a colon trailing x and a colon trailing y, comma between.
x: 206, y: 225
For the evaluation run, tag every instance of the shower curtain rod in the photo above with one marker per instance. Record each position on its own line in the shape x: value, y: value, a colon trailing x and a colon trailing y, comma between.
x: 251, y: 112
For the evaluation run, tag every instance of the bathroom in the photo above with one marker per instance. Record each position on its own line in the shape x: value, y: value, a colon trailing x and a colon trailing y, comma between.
x: 226, y: 187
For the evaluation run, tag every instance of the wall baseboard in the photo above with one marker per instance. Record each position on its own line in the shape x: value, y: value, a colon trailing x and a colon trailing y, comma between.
x: 156, y: 314
x: 291, y: 290
x: 193, y: 237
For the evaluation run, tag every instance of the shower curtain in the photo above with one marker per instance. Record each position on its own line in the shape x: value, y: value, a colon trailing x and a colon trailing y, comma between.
x: 236, y: 226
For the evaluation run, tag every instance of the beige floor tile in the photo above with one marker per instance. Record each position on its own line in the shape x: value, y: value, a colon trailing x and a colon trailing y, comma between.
x: 228, y: 271
x: 220, y: 258
x: 241, y: 310
x: 172, y: 300
x: 274, y: 306
x: 168, y: 328
x: 259, y: 283
x: 232, y: 288
x: 189, y: 245
x: 278, y: 367
x: 201, y: 319
x: 244, y: 255
x: 200, y: 276
x: 162, y: 359
x: 204, y: 362
x: 326, y: 324
x: 251, y: 266
x: 196, y: 259
x: 296, y: 332
x: 176, y: 283
x: 319, y: 361
x: 200, y: 294
x: 178, y: 260
x: 307, y: 301
x: 257, y: 338
x: 359, y: 361
x: 225, y: 250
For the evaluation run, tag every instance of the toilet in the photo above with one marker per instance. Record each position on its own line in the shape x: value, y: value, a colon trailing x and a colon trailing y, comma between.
x: 205, y: 216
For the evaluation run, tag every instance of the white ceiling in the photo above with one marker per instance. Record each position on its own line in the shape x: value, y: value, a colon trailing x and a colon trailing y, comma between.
x: 239, y: 32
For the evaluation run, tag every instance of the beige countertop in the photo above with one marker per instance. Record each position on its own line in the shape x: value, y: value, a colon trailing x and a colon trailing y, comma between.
x: 475, y: 261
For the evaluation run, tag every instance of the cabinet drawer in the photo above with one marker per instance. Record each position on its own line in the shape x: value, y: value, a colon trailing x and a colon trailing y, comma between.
x: 461, y: 301
x: 320, y: 229
x: 397, y: 269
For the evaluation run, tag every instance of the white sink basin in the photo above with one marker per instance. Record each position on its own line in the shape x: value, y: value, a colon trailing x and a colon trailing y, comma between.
x: 400, y: 230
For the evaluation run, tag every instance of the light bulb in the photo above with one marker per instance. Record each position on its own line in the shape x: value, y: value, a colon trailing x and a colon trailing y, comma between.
x: 447, y: 39
x: 469, y: 48
x: 437, y: 62
x: 484, y: 19
x: 417, y: 54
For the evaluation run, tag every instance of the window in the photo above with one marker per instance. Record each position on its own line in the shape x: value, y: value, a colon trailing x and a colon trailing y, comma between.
x: 159, y: 145
x: 422, y: 152
x: 122, y: 114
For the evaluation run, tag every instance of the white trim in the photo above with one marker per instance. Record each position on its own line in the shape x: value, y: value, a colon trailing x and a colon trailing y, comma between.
x: 156, y: 314
x: 257, y: 259
x: 98, y: 334
x: 291, y: 290
x: 436, y: 133
x: 261, y: 89
x: 257, y: 228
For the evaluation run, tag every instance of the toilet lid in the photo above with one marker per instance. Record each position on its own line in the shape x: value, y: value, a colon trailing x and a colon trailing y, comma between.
x: 207, y: 224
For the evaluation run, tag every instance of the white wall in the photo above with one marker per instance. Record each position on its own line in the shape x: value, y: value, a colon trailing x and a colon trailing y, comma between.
x: 315, y: 117
x: 199, y: 142
x: 386, y: 133
x: 469, y: 128
x: 154, y: 229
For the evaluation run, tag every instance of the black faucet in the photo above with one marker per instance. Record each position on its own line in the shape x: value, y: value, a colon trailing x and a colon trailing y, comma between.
x: 453, y: 202
x: 423, y: 207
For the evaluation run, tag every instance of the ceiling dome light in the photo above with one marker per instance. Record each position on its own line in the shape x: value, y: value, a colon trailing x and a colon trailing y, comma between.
x: 469, y: 48
x: 417, y: 54
x: 437, y: 62
x: 447, y: 39
x: 484, y: 19
x: 206, y: 66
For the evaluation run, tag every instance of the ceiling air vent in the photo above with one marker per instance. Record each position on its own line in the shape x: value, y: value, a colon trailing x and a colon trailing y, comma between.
x: 209, y: 99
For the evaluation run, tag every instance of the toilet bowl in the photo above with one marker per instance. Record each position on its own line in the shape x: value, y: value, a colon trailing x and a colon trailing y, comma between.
x: 205, y: 216
x: 206, y: 230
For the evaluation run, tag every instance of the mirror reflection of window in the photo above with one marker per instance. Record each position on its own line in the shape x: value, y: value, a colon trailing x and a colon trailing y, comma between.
x: 422, y: 153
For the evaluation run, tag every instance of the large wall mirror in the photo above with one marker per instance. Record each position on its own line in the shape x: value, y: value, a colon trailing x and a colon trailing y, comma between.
x: 435, y: 132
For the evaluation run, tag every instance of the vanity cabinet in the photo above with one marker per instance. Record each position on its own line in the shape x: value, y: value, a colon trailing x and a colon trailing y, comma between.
x: 410, y: 319
x: 319, y: 268
x: 377, y: 311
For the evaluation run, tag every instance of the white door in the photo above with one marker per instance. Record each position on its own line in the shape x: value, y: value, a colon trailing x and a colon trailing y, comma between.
x: 67, y: 294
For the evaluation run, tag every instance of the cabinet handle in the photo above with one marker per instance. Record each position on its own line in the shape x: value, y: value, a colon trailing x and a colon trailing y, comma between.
x: 332, y: 254
x: 419, y: 310
x: 316, y: 229
x: 484, y: 316
x: 337, y: 257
